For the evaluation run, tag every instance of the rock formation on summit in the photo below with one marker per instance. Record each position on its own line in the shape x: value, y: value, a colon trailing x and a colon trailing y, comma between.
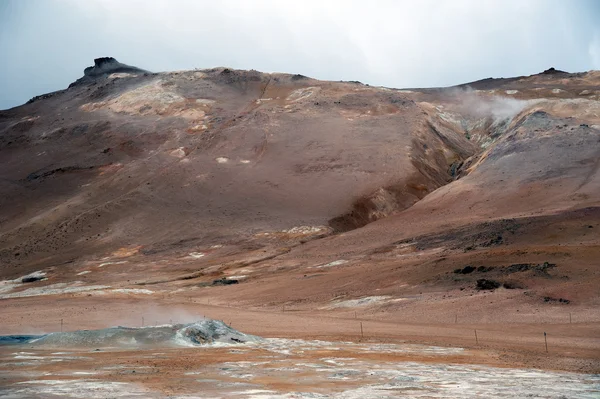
x: 106, y: 66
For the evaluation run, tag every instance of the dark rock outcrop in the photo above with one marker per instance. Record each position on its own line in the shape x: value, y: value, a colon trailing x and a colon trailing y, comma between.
x: 559, y: 300
x: 465, y: 270
x: 104, y: 66
x: 224, y: 281
x: 485, y: 284
x: 552, y: 71
x: 32, y: 279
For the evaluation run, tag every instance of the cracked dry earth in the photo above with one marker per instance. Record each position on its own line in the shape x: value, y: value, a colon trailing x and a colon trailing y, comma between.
x: 300, y: 211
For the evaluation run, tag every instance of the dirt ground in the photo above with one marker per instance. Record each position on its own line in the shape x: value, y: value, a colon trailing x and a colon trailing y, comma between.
x: 571, y: 346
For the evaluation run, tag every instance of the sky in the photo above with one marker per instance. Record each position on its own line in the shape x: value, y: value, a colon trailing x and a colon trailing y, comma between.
x: 46, y: 44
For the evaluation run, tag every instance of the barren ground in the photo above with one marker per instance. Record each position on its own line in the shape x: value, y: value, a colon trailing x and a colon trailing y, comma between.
x: 298, y: 209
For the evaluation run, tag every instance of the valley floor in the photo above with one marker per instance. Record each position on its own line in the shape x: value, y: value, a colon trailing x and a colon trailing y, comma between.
x: 571, y: 346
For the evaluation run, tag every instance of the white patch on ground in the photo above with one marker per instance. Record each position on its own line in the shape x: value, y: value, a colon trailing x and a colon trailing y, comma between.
x: 83, y: 272
x: 360, y: 302
x: 287, y: 346
x: 222, y: 160
x: 8, y: 285
x: 121, y: 75
x: 312, y: 369
x: 245, y: 161
x: 91, y: 389
x: 55, y: 289
x: 29, y: 357
x: 511, y: 91
x: 301, y: 94
x: 449, y: 117
x: 178, y: 152
x: 196, y: 255
x: 332, y: 264
x: 373, y: 378
x: 261, y: 100
x: 557, y: 91
x: 112, y: 263
x: 199, y: 127
x: 205, y: 101
x: 237, y: 277
x: 308, y: 230
x: 154, y: 98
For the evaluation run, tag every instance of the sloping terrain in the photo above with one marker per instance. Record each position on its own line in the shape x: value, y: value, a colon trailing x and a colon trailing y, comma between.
x: 278, y: 192
x: 204, y: 157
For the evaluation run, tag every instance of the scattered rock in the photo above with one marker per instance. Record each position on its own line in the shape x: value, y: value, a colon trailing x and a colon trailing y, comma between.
x: 224, y: 281
x: 485, y: 284
x: 43, y: 96
x: 494, y: 241
x: 523, y: 267
x: 62, y: 170
x: 31, y: 279
x: 559, y: 300
x: 511, y: 285
x: 519, y: 267
x: 465, y: 270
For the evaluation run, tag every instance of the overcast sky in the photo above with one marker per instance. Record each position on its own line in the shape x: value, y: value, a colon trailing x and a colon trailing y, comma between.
x: 46, y: 44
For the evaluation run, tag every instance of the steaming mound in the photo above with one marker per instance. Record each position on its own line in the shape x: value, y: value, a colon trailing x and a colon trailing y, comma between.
x: 203, y: 332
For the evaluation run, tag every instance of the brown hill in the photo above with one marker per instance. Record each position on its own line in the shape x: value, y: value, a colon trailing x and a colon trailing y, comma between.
x: 416, y: 204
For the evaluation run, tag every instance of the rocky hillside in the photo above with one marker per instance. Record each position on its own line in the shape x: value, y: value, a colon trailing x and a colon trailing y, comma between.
x: 243, y: 167
x: 127, y: 157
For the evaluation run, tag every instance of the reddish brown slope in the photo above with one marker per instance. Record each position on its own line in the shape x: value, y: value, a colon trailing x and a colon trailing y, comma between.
x: 145, y: 191
x: 201, y: 157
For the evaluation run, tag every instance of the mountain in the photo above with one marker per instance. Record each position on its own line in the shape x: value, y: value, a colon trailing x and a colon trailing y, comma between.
x: 309, y: 190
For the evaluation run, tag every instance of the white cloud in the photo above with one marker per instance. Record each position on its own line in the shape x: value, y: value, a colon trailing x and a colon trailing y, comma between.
x: 381, y: 42
x: 594, y: 50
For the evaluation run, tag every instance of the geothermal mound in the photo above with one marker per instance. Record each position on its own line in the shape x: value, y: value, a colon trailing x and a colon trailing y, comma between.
x: 203, y: 332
